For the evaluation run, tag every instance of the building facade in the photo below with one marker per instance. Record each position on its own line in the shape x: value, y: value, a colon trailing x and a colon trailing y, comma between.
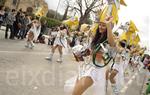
x: 40, y: 7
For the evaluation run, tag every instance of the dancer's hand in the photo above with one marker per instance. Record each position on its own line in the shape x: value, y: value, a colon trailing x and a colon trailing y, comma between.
x: 109, y: 19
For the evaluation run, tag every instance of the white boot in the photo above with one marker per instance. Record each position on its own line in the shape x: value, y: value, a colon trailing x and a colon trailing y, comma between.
x: 27, y: 44
x: 49, y: 57
x: 60, y: 59
x: 115, y: 90
x: 32, y: 44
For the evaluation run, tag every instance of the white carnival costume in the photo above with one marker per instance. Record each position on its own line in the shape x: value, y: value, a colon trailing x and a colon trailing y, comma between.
x: 97, y: 74
x: 35, y: 29
x: 61, y: 39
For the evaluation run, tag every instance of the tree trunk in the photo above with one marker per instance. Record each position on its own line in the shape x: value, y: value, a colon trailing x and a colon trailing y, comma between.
x: 81, y: 21
x: 65, y: 14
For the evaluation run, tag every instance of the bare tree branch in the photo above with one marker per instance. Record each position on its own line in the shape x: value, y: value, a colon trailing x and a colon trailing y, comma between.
x: 99, y: 5
x: 93, y: 3
x: 84, y: 8
x: 86, y: 4
x: 79, y: 3
x: 94, y: 11
x: 87, y: 11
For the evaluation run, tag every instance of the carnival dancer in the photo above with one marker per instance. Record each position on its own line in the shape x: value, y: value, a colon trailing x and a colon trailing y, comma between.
x: 136, y: 58
x: 116, y: 72
x: 146, y: 60
x: 52, y: 34
x: 92, y: 74
x: 60, y: 42
x: 33, y: 33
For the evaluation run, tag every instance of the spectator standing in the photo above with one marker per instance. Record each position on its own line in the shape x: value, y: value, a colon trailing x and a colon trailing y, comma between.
x: 2, y: 14
x: 17, y: 24
x: 22, y: 26
x: 9, y: 24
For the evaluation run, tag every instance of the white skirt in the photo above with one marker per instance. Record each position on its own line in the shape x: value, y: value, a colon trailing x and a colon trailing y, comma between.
x: 61, y: 42
x: 34, y: 33
x: 97, y: 75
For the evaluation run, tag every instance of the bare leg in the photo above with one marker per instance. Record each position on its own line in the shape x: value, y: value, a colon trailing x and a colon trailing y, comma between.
x: 107, y: 74
x: 60, y: 50
x: 113, y: 82
x: 82, y: 85
x: 60, y: 53
x: 52, y: 53
x: 30, y: 39
x: 112, y: 76
x: 54, y: 48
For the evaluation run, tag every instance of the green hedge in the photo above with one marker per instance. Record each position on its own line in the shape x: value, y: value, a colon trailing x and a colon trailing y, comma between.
x: 51, y: 22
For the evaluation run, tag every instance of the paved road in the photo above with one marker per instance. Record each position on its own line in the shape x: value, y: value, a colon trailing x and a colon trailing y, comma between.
x: 24, y: 71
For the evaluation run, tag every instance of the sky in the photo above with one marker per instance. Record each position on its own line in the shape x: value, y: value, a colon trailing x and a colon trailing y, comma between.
x: 52, y: 4
x: 136, y: 10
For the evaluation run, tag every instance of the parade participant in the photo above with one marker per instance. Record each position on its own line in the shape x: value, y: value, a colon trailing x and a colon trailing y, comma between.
x: 51, y: 37
x: 33, y: 33
x: 148, y: 87
x: 83, y: 42
x: 136, y: 58
x: 116, y: 73
x: 37, y: 31
x: 95, y: 75
x: 146, y: 60
x: 60, y: 42
x: 74, y: 40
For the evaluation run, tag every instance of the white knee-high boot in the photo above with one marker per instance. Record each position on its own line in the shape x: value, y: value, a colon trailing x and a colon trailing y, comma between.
x: 60, y: 58
x: 31, y: 44
x: 115, y: 90
x: 50, y: 57
x: 27, y: 44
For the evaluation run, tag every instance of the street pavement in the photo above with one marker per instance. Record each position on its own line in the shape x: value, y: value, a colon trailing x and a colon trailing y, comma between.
x: 25, y: 71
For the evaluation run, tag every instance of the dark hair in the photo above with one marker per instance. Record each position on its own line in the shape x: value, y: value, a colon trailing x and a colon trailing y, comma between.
x: 64, y: 27
x: 99, y: 38
x: 129, y: 47
x: 26, y: 15
x: 1, y: 7
x: 123, y: 43
x: 20, y: 9
x: 37, y: 18
x: 13, y: 10
x: 148, y: 67
x: 18, y: 14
